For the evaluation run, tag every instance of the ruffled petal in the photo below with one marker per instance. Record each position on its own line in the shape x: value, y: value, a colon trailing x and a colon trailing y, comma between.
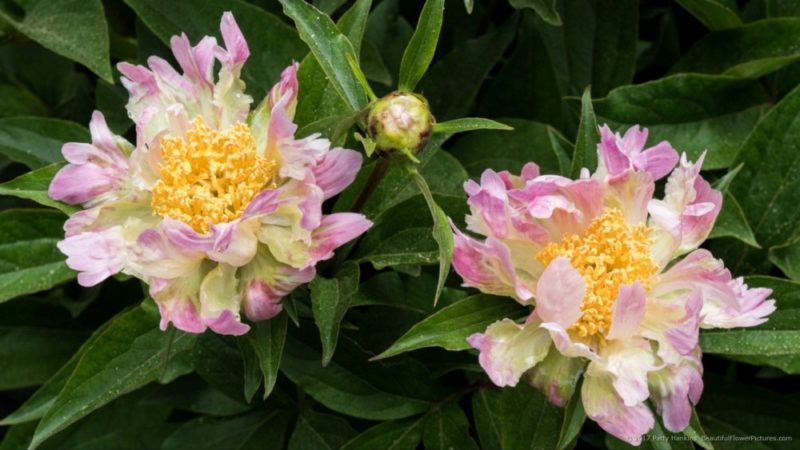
x: 336, y: 170
x: 619, y: 155
x: 675, y: 389
x: 164, y: 101
x: 559, y: 293
x: 156, y: 256
x: 237, y: 51
x: 628, y: 362
x: 219, y: 301
x: 177, y: 309
x: 487, y: 266
x: 265, y: 281
x: 95, y: 171
x: 727, y: 302
x: 606, y: 407
x: 96, y: 255
x: 631, y: 193
x: 566, y: 345
x: 557, y: 376
x: 507, y: 350
x: 335, y: 231
x: 689, y: 208
x: 627, y: 312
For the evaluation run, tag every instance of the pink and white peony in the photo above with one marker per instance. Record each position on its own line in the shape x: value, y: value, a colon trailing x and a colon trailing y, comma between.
x: 216, y: 207
x: 591, y: 256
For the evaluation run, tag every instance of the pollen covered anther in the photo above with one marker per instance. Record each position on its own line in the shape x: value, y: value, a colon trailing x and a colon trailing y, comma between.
x: 209, y: 176
x: 609, y: 254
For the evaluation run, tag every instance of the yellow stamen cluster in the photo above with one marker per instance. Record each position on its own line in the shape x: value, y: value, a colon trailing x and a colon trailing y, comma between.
x: 209, y: 176
x: 609, y: 254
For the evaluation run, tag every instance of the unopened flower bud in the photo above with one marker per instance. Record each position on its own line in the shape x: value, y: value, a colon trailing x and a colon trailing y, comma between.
x: 400, y: 121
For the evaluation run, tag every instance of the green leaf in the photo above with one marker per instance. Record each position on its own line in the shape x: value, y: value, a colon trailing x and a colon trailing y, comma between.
x: 546, y: 9
x: 36, y: 141
x: 267, y: 339
x: 389, y: 33
x: 751, y: 342
x: 447, y: 427
x: 218, y: 361
x: 469, y: 124
x: 764, y: 345
x: 342, y: 390
x: 33, y: 186
x: 33, y: 354
x: 318, y: 98
x: 693, y: 112
x: 487, y: 424
x: 252, y: 374
x: 331, y: 48
x: 29, y: 259
x: 696, y: 433
x: 714, y: 14
x: 37, y: 404
x: 596, y: 45
x: 528, y: 142
x: 329, y: 6
x: 518, y: 418
x: 330, y: 299
x: 750, y: 51
x: 320, y: 431
x: 585, y: 155
x: 453, y: 83
x: 420, y: 50
x: 273, y: 44
x: 128, y: 354
x: 469, y: 5
x: 574, y: 418
x: 126, y: 423
x: 442, y: 233
x: 403, y: 434
x: 76, y: 29
x: 249, y: 431
x: 766, y: 186
x: 787, y: 258
x: 732, y: 222
x: 450, y: 326
x: 18, y: 101
x: 737, y: 411
x: 111, y: 101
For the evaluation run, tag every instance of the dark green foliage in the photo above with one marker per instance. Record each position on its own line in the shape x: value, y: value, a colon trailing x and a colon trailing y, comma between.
x: 362, y: 357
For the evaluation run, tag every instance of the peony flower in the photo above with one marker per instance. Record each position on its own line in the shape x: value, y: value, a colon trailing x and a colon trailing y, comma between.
x: 592, y: 258
x: 216, y: 207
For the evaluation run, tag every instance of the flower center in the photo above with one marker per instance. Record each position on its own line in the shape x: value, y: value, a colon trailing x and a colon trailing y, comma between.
x: 609, y: 254
x: 209, y: 176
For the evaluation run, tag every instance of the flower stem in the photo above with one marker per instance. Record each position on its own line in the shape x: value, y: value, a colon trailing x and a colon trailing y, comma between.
x: 372, y: 182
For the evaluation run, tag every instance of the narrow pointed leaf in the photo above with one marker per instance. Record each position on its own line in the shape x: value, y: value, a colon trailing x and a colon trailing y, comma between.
x: 420, y: 50
x: 33, y: 186
x: 29, y: 259
x: 330, y: 299
x: 331, y: 48
x: 131, y: 352
x: 267, y: 339
x: 585, y: 155
x: 36, y: 141
x: 715, y: 14
x: 76, y: 29
x: 450, y: 326
x: 342, y: 390
x: 442, y: 233
x: 469, y: 124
